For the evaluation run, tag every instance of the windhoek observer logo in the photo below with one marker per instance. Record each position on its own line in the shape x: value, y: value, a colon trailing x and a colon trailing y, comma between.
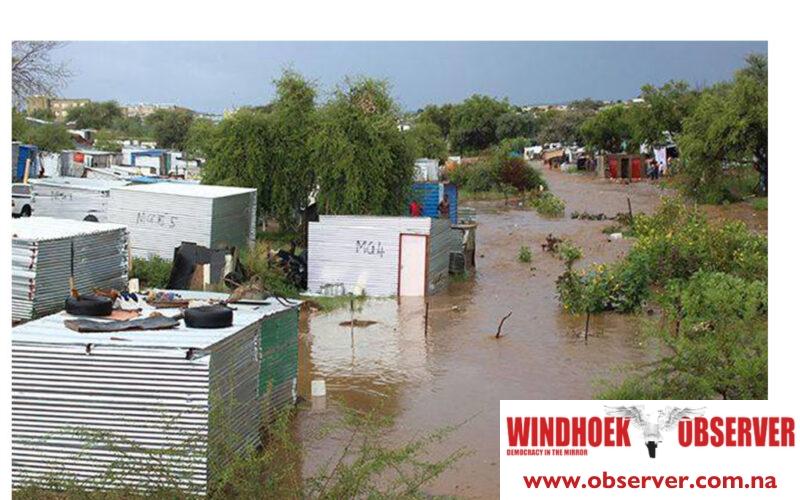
x: 563, y: 435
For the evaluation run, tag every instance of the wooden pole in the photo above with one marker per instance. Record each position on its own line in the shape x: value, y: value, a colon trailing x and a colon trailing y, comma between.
x: 352, y: 321
x: 586, y: 330
x: 427, y: 306
x: 630, y: 210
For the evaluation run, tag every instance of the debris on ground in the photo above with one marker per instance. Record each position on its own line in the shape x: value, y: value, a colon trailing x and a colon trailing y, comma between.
x: 588, y: 216
x: 615, y: 236
x: 500, y: 326
x: 358, y: 323
x: 551, y: 243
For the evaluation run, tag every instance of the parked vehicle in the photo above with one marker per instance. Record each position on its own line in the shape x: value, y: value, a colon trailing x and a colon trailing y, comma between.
x: 21, y: 200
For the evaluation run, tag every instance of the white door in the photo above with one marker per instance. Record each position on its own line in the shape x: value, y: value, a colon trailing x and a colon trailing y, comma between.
x: 412, y: 265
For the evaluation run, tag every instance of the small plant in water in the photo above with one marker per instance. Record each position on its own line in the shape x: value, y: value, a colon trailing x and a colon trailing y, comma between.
x: 525, y: 254
x: 548, y: 204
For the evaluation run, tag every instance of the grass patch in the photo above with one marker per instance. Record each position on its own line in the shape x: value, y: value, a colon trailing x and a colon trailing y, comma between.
x: 759, y: 204
x: 328, y: 304
x: 480, y: 195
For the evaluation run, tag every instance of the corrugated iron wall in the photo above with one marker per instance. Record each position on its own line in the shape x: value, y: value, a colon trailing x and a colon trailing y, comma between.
x: 277, y: 379
x: 159, y: 222
x: 146, y: 415
x: 429, y: 194
x: 118, y: 413
x: 442, y: 241
x: 358, y: 252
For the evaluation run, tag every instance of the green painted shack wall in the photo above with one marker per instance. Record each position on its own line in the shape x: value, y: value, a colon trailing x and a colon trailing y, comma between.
x: 279, y: 343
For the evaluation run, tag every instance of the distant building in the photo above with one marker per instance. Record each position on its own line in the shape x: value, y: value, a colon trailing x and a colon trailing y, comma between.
x: 58, y: 106
x: 143, y: 110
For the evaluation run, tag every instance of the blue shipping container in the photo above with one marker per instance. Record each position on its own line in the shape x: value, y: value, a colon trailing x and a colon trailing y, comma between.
x: 26, y: 151
x: 429, y: 194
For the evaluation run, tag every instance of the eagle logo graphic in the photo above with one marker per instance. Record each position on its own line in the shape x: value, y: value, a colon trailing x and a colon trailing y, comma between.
x: 667, y: 419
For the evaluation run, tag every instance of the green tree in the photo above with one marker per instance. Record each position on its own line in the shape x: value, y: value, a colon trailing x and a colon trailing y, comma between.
x: 95, y: 115
x: 107, y: 140
x: 515, y: 124
x: 557, y: 125
x: 294, y: 119
x: 666, y: 108
x: 19, y: 126
x: 43, y: 114
x: 441, y: 116
x: 364, y: 163
x: 727, y: 131
x: 426, y: 141
x: 131, y: 127
x: 238, y: 154
x: 199, y: 137
x: 586, y: 105
x: 609, y: 130
x: 474, y: 123
x: 170, y: 127
x: 51, y: 137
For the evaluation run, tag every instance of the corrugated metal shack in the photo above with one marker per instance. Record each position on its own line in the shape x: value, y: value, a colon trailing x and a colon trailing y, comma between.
x: 429, y: 194
x: 426, y: 169
x: 45, y: 252
x: 73, y: 198
x: 161, y: 216
x: 148, y: 408
x: 379, y: 256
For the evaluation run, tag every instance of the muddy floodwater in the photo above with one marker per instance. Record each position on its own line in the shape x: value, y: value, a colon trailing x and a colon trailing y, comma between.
x: 458, y: 372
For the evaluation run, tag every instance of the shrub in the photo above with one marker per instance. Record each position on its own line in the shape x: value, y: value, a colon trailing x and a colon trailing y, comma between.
x: 569, y: 253
x: 678, y: 241
x: 152, y: 273
x: 674, y: 243
x: 257, y: 263
x: 518, y: 173
x: 525, y: 254
x: 476, y: 177
x: 715, y: 328
x: 548, y: 204
x: 601, y: 288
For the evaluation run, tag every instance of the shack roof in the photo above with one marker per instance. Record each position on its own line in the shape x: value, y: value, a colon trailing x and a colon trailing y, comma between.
x: 79, y: 183
x: 51, y: 330
x: 186, y: 189
x: 50, y: 228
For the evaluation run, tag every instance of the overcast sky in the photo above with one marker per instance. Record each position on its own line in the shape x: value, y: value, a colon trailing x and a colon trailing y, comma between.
x: 213, y: 76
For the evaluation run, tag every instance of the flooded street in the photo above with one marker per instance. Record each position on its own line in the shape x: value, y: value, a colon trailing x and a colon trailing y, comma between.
x: 458, y: 372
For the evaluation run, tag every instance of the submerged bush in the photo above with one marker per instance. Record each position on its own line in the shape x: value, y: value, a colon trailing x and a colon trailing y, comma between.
x: 715, y: 328
x: 711, y: 284
x: 525, y: 254
x: 569, y: 253
x: 548, y: 204
x: 674, y: 243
